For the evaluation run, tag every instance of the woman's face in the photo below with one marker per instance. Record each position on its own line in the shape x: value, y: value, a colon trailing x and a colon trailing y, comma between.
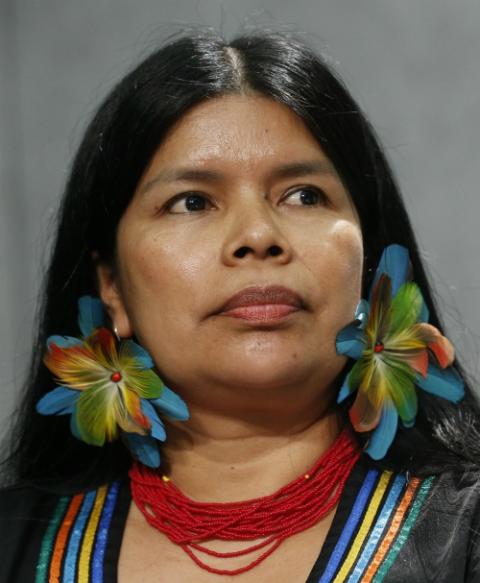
x: 238, y: 195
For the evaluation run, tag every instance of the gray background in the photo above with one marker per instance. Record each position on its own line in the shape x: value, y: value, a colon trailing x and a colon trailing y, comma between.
x: 412, y: 64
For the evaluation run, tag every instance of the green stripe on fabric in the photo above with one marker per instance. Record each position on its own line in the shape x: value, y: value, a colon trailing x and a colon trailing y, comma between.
x: 48, y: 539
x: 406, y: 528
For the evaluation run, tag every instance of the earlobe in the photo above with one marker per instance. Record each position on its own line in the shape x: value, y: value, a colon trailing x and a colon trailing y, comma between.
x: 112, y: 299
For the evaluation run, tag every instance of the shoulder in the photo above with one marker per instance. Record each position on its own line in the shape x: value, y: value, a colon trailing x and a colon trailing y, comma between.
x: 41, y: 527
x: 445, y: 543
x: 457, y: 493
x: 25, y: 513
x: 24, y: 504
x: 421, y: 528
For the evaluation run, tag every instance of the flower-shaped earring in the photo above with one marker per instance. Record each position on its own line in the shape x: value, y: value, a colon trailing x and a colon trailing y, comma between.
x: 108, y: 390
x: 395, y: 350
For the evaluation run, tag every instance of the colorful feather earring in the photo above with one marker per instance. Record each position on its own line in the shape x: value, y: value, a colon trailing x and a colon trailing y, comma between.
x: 109, y: 391
x: 395, y: 350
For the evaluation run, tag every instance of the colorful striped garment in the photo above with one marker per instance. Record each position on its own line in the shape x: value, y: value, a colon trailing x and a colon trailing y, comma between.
x: 381, y: 519
x: 73, y: 547
x: 382, y: 516
x: 382, y: 532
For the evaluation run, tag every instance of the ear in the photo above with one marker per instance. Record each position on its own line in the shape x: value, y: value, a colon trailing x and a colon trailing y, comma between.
x: 112, y: 299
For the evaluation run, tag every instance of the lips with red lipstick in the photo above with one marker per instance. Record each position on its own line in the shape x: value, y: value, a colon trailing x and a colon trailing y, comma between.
x: 262, y: 304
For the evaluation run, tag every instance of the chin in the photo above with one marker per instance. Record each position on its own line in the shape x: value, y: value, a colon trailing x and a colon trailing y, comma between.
x: 273, y: 362
x: 267, y: 374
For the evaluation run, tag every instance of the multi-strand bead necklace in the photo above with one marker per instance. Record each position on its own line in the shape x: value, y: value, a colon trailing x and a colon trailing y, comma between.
x: 267, y: 520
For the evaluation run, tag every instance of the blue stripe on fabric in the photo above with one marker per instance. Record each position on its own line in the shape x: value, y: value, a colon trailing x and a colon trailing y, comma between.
x: 350, y: 526
x: 71, y: 558
x: 102, y: 533
x: 389, y: 505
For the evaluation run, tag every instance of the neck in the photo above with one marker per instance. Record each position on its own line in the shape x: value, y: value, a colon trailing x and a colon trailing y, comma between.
x: 221, y: 457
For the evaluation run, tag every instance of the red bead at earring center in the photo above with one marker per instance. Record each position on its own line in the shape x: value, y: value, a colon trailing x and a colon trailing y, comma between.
x: 116, y: 377
x: 379, y: 347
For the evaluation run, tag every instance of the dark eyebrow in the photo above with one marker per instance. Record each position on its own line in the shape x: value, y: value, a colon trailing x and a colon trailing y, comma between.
x: 176, y: 174
x: 297, y: 169
x: 289, y: 170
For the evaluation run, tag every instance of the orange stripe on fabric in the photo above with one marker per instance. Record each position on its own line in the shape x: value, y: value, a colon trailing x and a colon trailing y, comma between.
x: 89, y: 537
x: 62, y: 537
x: 392, y: 531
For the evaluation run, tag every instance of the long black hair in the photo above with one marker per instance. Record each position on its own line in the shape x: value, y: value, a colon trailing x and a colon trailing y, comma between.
x: 116, y: 148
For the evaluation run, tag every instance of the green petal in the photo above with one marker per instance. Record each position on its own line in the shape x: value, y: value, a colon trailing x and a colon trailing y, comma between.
x: 399, y: 378
x: 95, y: 414
x: 406, y: 307
x: 363, y: 414
x: 145, y: 383
x: 405, y: 343
x: 375, y: 385
x: 128, y: 412
x: 379, y: 319
x: 361, y: 373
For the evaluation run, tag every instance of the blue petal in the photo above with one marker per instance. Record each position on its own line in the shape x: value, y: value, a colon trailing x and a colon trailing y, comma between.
x: 64, y: 341
x: 60, y: 401
x: 90, y: 314
x: 442, y: 383
x: 345, y: 390
x: 381, y: 439
x: 158, y: 431
x: 139, y: 353
x: 143, y: 448
x: 362, y: 312
x: 172, y: 405
x: 350, y: 341
x: 395, y: 262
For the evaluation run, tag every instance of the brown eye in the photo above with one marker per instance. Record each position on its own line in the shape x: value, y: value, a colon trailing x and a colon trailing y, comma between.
x: 186, y: 203
x: 306, y: 196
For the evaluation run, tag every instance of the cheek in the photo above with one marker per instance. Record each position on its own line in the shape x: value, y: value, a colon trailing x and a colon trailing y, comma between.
x: 347, y: 240
x: 156, y: 266
x: 338, y: 271
x: 159, y: 279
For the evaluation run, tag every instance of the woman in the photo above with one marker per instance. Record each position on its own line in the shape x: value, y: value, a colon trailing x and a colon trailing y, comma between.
x: 229, y: 205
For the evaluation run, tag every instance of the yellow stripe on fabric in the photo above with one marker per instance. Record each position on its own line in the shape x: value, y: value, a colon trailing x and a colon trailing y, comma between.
x: 364, y: 527
x: 89, y: 537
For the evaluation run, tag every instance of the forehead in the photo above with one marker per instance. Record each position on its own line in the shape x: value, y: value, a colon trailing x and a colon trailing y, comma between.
x: 249, y: 130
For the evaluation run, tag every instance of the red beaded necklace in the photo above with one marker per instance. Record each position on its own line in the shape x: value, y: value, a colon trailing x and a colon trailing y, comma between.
x: 273, y: 518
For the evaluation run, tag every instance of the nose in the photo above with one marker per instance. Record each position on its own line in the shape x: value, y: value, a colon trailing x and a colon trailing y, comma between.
x: 254, y: 234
